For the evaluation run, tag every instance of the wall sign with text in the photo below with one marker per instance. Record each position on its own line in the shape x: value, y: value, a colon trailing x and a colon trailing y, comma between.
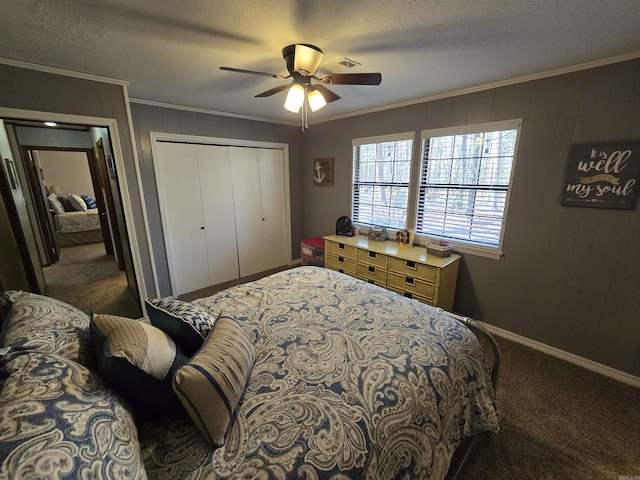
x: 602, y: 175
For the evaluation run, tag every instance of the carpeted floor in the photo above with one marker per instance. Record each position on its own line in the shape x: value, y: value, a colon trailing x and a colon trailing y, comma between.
x: 87, y: 278
x: 558, y: 422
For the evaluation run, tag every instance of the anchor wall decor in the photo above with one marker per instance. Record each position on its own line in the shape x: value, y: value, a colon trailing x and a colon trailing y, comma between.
x: 323, y: 172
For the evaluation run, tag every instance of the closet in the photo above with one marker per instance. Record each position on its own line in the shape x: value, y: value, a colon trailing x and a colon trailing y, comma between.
x: 223, y: 211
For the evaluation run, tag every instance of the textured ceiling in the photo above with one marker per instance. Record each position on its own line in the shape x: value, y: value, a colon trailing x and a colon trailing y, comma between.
x: 169, y: 51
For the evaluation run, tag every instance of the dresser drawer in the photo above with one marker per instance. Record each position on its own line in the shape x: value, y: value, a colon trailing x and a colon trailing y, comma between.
x: 341, y: 249
x: 340, y: 263
x: 410, y: 284
x: 413, y: 269
x: 374, y: 282
x: 413, y: 296
x: 373, y: 258
x: 372, y: 272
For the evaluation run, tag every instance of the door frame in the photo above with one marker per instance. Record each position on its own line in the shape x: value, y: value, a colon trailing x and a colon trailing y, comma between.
x: 157, y: 137
x: 111, y: 125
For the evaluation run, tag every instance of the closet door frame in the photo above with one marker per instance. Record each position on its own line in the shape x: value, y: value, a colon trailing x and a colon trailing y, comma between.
x: 157, y: 137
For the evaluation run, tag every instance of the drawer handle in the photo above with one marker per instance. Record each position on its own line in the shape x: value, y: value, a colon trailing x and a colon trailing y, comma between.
x: 408, y: 295
x: 372, y: 254
x: 341, y: 246
x: 411, y: 264
x: 371, y: 282
x: 341, y: 259
x: 409, y: 280
x: 372, y: 269
x: 341, y: 270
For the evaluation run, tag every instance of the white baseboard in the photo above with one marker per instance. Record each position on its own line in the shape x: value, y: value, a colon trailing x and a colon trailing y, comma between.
x: 569, y: 357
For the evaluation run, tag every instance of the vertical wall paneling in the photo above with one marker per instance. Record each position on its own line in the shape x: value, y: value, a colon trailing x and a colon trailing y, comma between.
x: 569, y: 276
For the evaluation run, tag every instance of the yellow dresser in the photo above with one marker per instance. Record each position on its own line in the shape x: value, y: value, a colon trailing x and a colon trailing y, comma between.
x: 407, y: 271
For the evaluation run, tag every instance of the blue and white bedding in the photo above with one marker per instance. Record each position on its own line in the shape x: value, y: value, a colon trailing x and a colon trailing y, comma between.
x: 81, y: 221
x: 351, y: 381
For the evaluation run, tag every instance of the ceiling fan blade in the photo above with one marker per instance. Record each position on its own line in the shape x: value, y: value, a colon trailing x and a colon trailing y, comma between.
x: 273, y: 91
x: 252, y: 72
x: 328, y: 95
x: 352, y: 78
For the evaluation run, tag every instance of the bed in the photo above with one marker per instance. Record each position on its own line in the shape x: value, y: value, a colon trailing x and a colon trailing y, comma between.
x: 77, y: 228
x: 351, y: 381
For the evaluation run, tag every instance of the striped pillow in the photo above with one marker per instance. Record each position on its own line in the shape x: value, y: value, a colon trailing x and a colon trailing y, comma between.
x: 212, y: 382
x: 91, y: 203
x: 139, y: 361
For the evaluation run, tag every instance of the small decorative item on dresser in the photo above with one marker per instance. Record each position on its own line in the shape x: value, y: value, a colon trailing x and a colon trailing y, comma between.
x: 442, y: 249
x: 379, y: 234
x: 404, y: 237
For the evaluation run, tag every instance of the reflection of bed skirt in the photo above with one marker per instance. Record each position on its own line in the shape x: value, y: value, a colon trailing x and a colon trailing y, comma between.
x: 78, y: 238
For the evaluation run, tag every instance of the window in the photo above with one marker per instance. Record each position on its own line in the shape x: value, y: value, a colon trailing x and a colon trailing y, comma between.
x: 381, y: 177
x: 464, y: 182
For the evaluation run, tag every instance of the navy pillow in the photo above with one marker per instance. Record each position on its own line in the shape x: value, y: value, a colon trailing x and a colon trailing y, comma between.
x: 91, y: 203
x: 66, y: 204
x: 187, y: 324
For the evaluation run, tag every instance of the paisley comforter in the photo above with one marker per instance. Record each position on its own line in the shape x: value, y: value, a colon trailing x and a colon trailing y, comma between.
x: 351, y: 381
x: 72, y: 222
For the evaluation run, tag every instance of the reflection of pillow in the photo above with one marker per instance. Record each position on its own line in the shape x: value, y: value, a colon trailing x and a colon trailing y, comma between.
x: 66, y: 204
x: 55, y: 204
x: 76, y: 202
x: 139, y: 360
x: 187, y: 324
x: 212, y: 382
x: 90, y: 202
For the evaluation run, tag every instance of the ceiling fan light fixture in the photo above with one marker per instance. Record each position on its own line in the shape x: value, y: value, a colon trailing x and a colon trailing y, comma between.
x: 307, y: 58
x: 316, y: 100
x: 295, y: 98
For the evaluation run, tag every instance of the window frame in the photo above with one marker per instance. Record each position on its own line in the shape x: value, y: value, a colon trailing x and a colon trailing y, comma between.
x: 462, y: 245
x: 395, y: 137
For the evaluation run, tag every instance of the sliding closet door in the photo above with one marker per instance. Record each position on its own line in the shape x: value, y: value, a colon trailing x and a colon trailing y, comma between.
x: 219, y: 214
x: 273, y: 207
x: 246, y: 196
x: 258, y: 192
x: 177, y: 175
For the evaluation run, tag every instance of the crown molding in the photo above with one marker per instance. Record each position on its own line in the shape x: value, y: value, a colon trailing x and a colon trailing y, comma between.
x: 208, y: 112
x: 61, y: 71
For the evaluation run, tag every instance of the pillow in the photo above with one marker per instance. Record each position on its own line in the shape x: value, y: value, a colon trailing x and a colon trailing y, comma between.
x: 187, y: 324
x: 90, y: 202
x: 44, y: 324
x: 66, y: 204
x: 60, y: 421
x: 77, y: 203
x: 139, y: 361
x: 55, y: 204
x: 212, y: 382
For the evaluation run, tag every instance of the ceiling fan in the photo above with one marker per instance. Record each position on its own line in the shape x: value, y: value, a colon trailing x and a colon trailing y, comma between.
x: 302, y: 62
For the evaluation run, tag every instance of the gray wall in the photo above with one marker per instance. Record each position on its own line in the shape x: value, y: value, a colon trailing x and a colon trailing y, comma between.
x: 26, y: 89
x: 570, y: 277
x: 148, y: 119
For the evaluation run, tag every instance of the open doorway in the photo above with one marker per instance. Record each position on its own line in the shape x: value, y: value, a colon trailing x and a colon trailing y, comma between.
x: 85, y: 258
